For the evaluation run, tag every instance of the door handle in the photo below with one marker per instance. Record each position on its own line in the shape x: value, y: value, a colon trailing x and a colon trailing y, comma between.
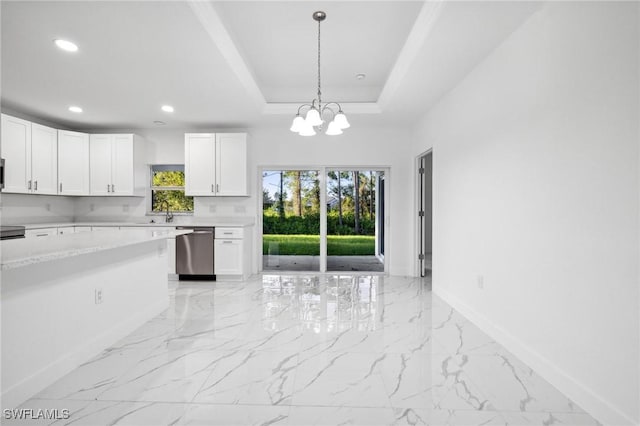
x: 29, y: 186
x: 108, y: 186
x: 35, y: 186
x: 212, y: 190
x: 113, y: 188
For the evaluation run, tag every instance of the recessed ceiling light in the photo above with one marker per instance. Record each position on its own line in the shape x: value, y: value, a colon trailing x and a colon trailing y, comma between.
x: 361, y: 76
x: 76, y: 109
x: 167, y: 108
x: 66, y: 45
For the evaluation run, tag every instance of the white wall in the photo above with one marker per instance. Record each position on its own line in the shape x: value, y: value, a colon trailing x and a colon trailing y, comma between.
x: 536, y: 174
x: 25, y: 208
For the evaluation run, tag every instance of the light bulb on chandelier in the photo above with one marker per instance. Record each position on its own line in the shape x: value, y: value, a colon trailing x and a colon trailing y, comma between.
x: 313, y: 119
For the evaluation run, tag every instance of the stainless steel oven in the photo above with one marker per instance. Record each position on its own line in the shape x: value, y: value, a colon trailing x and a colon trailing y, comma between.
x: 194, y: 253
x: 11, y: 232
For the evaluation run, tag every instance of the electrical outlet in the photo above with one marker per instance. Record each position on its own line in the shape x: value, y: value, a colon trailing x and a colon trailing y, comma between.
x: 480, y: 280
x: 98, y: 296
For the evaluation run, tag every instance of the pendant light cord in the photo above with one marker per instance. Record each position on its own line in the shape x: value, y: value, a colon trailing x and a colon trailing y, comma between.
x: 319, y: 93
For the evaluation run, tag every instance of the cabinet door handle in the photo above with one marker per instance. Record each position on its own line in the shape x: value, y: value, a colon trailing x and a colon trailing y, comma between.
x: 108, y: 186
x: 217, y: 188
x: 113, y: 188
x: 35, y: 186
x: 29, y: 186
x: 228, y: 233
x: 227, y: 242
x: 212, y: 190
x: 60, y: 186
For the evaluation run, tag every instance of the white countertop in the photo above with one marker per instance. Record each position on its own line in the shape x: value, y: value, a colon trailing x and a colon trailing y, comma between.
x: 28, y: 251
x: 158, y: 222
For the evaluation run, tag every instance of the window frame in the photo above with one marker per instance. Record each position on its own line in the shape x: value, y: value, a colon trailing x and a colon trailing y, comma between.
x: 151, y: 188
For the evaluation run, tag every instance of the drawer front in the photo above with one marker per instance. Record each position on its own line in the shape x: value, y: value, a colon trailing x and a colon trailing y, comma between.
x: 226, y: 233
x: 66, y: 230
x: 42, y: 232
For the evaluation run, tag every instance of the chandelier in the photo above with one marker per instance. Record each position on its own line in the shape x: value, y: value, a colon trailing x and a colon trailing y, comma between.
x: 313, y: 120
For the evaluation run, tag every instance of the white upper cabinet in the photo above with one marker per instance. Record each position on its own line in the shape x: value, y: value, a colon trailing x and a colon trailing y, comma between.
x: 199, y: 160
x: 115, y: 163
x: 231, y: 164
x: 30, y: 151
x: 216, y: 164
x: 16, y: 150
x: 44, y: 159
x: 73, y: 163
x: 100, y: 164
x: 123, y: 166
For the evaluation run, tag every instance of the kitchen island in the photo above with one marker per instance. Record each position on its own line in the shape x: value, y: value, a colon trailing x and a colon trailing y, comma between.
x: 65, y: 298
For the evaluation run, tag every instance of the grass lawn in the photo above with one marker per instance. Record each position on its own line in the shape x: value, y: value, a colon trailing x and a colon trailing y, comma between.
x: 337, y: 245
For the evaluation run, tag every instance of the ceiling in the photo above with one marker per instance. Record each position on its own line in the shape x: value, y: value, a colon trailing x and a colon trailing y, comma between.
x: 239, y: 64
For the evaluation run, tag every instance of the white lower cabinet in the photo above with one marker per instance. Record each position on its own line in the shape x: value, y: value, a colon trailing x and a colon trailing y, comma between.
x: 82, y: 228
x: 227, y: 257
x: 231, y: 253
x: 66, y: 230
x: 42, y: 232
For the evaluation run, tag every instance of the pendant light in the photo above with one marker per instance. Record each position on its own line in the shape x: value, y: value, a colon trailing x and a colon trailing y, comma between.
x: 313, y: 120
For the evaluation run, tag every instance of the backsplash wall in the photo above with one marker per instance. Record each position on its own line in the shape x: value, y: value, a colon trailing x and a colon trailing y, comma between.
x: 109, y: 208
x: 19, y: 209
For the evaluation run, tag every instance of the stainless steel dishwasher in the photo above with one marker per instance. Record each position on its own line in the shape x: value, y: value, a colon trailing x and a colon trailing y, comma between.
x: 194, y: 253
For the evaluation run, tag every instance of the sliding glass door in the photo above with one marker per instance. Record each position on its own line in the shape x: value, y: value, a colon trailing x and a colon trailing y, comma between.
x: 291, y: 220
x: 352, y: 220
x: 327, y: 219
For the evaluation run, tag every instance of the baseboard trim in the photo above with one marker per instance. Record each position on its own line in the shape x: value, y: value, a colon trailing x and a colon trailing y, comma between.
x: 39, y: 380
x: 590, y: 401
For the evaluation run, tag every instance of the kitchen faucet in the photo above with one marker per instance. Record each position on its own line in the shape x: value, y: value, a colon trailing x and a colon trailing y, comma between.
x: 169, y: 216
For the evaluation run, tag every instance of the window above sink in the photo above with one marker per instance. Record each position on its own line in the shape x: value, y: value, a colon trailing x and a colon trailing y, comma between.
x: 167, y: 184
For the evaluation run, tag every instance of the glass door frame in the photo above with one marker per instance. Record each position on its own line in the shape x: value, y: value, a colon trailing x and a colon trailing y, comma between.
x: 322, y: 177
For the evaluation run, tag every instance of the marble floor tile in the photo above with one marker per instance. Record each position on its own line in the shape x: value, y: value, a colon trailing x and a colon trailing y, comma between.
x: 548, y: 419
x: 95, y: 376
x: 305, y: 349
x: 331, y: 416
x: 254, y: 377
x: 232, y: 415
x: 163, y: 376
x: 341, y: 379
